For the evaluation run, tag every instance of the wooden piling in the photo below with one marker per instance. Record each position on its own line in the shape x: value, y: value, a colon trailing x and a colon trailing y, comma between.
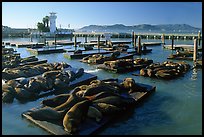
x: 135, y: 41
x: 31, y: 39
x: 55, y: 39
x: 199, y: 38
x: 195, y: 50
x: 172, y: 43
x: 163, y: 39
x: 85, y: 38
x: 139, y: 45
x: 44, y: 40
x: 133, y: 37
x: 98, y: 43
x: 75, y: 41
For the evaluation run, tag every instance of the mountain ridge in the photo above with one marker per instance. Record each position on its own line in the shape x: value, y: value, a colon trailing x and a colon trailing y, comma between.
x: 141, y: 27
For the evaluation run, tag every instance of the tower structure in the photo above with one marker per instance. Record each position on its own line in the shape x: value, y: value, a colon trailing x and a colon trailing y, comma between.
x: 52, y: 22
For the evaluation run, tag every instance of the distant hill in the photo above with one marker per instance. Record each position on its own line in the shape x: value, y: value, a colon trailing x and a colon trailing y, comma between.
x: 165, y: 28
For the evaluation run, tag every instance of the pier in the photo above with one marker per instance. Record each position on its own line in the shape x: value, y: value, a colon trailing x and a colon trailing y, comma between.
x: 142, y: 35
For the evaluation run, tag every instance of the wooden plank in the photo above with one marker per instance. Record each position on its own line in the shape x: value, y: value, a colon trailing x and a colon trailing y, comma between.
x: 89, y: 126
x: 33, y: 62
x: 80, y: 56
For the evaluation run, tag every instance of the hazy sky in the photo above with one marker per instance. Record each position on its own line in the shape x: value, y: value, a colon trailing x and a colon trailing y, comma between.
x: 80, y: 14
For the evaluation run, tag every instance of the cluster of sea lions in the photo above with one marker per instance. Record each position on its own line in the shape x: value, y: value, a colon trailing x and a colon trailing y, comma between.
x: 182, y: 55
x: 95, y: 101
x: 99, y: 58
x: 32, y: 70
x: 14, y: 60
x: 165, y: 70
x: 126, y: 64
x: 7, y: 51
x: 25, y: 89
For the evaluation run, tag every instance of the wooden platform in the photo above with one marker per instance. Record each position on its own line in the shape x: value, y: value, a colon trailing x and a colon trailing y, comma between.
x: 142, y: 52
x: 80, y: 56
x: 62, y: 42
x: 89, y: 126
x: 120, y: 70
x: 151, y: 44
x: 46, y: 50
x: 120, y: 42
x: 182, y: 46
x: 34, y: 62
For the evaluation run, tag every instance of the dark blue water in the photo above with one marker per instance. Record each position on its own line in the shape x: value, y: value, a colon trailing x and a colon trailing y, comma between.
x: 175, y: 107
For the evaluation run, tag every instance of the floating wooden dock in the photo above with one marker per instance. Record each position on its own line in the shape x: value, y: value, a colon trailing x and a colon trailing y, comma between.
x: 120, y: 42
x: 181, y: 46
x: 80, y: 56
x: 33, y: 62
x: 89, y: 126
x: 62, y: 42
x: 47, y: 50
x: 152, y: 44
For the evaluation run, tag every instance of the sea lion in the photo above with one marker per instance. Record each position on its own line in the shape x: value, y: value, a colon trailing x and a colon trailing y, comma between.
x: 24, y: 94
x: 113, y: 100
x: 94, y: 113
x: 50, y: 74
x: 71, y: 101
x: 55, y: 101
x: 59, y: 84
x: 79, y: 73
x: 107, y: 109
x: 71, y: 74
x: 8, y: 93
x: 75, y: 116
x: 130, y: 85
x: 45, y: 114
x: 22, y: 80
x: 34, y: 86
x: 100, y: 88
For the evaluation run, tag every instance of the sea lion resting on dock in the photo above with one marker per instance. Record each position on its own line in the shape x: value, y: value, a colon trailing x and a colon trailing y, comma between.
x: 55, y: 101
x: 71, y: 101
x: 8, y: 93
x: 165, y: 70
x: 75, y: 116
x: 130, y: 85
x: 94, y: 113
x: 46, y: 114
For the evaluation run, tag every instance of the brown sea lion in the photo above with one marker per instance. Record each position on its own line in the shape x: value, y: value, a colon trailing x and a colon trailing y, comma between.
x: 107, y: 109
x: 55, y: 101
x: 129, y: 85
x: 50, y: 74
x: 94, y: 113
x: 71, y: 101
x: 59, y: 84
x: 113, y: 100
x: 100, y: 88
x: 79, y: 73
x: 8, y: 93
x: 24, y: 94
x: 75, y: 116
x: 45, y: 114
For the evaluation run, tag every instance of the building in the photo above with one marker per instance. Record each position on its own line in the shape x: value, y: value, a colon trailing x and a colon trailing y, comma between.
x: 52, y: 19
